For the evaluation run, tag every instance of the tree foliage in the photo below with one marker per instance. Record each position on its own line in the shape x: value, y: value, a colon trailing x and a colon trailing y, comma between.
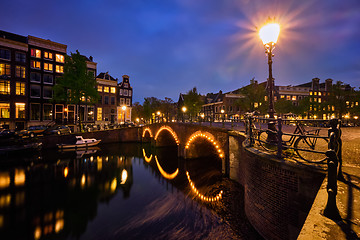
x: 254, y: 97
x: 193, y: 102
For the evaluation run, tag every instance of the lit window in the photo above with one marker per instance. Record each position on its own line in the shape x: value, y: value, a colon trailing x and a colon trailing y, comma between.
x: 4, y: 110
x: 20, y: 71
x: 106, y: 89
x: 35, y: 91
x: 293, y: 98
x: 319, y: 100
x: 310, y: 93
x: 315, y: 93
x: 20, y: 88
x: 282, y: 96
x: 20, y: 110
x: 48, y: 55
x: 4, y: 69
x: 20, y: 57
x: 113, y: 90
x: 35, y: 53
x: 356, y: 103
x: 319, y: 93
x: 125, y: 92
x: 48, y: 67
x: 287, y: 97
x: 99, y: 88
x: 35, y: 77
x: 5, y: 54
x: 99, y: 114
x: 265, y: 98
x: 59, y: 69
x: 35, y: 64
x: 4, y: 87
x: 332, y: 108
x: 347, y: 103
x: 49, y: 79
x: 128, y: 101
x: 59, y: 58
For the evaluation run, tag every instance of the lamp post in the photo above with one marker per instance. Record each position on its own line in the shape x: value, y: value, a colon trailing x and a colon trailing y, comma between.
x: 223, y: 116
x: 269, y: 35
x: 183, y: 109
x: 124, y: 109
x: 158, y: 113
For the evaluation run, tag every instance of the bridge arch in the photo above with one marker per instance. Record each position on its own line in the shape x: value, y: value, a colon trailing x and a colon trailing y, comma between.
x: 171, y: 131
x: 207, y: 137
x: 147, y: 134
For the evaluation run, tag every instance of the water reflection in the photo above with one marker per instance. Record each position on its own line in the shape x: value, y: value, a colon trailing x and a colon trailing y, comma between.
x: 113, y: 192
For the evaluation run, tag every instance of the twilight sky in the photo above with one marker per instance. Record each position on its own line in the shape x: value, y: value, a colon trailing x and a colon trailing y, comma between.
x: 170, y: 46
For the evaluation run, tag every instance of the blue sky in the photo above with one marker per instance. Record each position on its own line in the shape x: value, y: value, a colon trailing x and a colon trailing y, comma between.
x: 170, y: 46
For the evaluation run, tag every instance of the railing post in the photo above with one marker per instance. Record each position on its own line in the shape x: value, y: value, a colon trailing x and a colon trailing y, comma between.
x: 335, y: 143
x: 232, y: 124
x: 251, y: 137
x: 279, y: 138
x: 331, y: 211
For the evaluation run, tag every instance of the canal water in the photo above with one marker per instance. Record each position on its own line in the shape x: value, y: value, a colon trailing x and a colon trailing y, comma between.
x: 119, y: 191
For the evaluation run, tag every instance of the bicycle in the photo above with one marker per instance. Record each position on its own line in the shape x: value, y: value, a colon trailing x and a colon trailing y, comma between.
x: 308, y: 144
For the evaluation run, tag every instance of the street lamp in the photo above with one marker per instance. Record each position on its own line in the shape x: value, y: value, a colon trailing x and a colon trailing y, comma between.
x: 269, y: 35
x: 158, y: 113
x: 184, y: 110
x: 223, y: 116
x: 124, y: 109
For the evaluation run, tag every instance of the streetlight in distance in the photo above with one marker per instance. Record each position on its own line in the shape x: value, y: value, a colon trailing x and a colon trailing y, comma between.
x: 222, y: 114
x: 158, y: 113
x: 183, y: 109
x: 269, y: 35
x: 124, y: 109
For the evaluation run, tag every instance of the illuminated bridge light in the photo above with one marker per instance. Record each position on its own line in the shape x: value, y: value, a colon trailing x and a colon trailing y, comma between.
x: 171, y: 132
x: 147, y: 159
x: 147, y: 130
x: 206, y: 136
x: 201, y: 196
x: 165, y: 174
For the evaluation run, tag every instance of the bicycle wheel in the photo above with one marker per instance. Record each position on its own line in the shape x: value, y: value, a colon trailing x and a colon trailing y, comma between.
x: 311, y: 149
x: 264, y: 141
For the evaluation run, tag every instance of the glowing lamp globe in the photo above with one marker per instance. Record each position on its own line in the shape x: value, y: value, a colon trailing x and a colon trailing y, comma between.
x: 269, y: 33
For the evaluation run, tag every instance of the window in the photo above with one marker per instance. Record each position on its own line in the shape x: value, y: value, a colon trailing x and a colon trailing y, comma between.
x: 120, y: 92
x: 59, y: 69
x: 20, y: 88
x: 4, y: 87
x: 35, y: 53
x: 99, y: 88
x: 4, y: 69
x: 4, y: 110
x: 35, y: 64
x: 112, y: 100
x: 128, y: 101
x: 100, y: 100
x: 106, y: 89
x: 20, y: 71
x: 19, y: 110
x: 293, y: 98
x: 125, y: 92
x: 34, y: 111
x: 319, y: 93
x: 35, y: 77
x: 319, y: 101
x: 287, y: 97
x: 113, y: 90
x: 99, y: 114
x: 48, y: 67
x: 126, y: 85
x: 5, y: 54
x: 35, y: 91
x: 315, y: 93
x: 122, y: 101
x: 59, y: 58
x: 106, y: 100
x: 59, y: 110
x: 90, y: 116
x: 20, y: 57
x: 130, y: 93
x: 49, y: 79
x: 47, y: 92
x: 47, y: 111
x: 311, y: 93
x: 48, y: 55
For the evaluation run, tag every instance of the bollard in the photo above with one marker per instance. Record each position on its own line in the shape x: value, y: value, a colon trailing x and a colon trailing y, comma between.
x: 331, y: 211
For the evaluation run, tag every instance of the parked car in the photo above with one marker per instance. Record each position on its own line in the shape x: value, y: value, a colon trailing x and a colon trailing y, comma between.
x: 32, y: 131
x: 6, y: 133
x: 58, y: 129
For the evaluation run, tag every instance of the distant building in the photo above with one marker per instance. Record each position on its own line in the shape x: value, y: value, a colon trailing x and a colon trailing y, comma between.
x: 106, y: 108
x: 125, y: 99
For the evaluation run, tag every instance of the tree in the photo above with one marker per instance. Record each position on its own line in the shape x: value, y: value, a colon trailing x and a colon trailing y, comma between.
x: 77, y: 85
x: 340, y: 97
x: 193, y: 102
x: 167, y: 108
x: 254, y: 97
x: 283, y: 106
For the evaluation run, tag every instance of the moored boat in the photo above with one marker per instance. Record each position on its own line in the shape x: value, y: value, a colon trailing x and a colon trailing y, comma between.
x: 80, y: 142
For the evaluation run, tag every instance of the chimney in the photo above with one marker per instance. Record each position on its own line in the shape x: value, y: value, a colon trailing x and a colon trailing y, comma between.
x: 315, y: 84
x: 328, y: 84
x: 91, y: 58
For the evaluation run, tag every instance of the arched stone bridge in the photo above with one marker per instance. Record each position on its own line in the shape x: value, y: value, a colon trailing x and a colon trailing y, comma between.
x: 192, y: 140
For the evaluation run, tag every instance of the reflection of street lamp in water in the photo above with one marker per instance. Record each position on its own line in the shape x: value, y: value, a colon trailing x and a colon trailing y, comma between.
x: 124, y: 109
